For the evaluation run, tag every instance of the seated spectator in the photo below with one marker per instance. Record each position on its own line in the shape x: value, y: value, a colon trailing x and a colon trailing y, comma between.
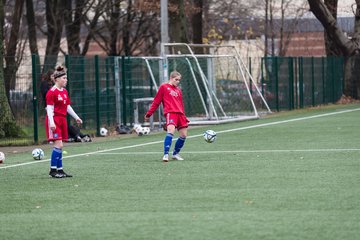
x: 76, y: 136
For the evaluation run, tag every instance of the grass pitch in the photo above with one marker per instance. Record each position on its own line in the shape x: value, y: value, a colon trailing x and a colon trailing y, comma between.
x: 292, y: 175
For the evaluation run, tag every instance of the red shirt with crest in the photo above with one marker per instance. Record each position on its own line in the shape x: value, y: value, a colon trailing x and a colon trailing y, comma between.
x: 171, y: 98
x: 60, y: 99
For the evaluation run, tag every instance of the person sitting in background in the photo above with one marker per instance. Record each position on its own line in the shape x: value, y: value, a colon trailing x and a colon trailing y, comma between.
x: 75, y: 135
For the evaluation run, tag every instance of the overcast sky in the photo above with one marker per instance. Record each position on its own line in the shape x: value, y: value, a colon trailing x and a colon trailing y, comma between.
x: 344, y: 7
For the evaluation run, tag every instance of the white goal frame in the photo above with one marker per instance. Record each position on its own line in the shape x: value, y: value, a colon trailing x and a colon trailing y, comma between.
x: 209, y: 109
x: 213, y: 116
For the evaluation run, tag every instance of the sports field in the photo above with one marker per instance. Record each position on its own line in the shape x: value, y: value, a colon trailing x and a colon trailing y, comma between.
x: 292, y: 175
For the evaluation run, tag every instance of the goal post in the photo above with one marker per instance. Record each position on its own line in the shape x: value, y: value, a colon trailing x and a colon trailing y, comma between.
x: 217, y: 86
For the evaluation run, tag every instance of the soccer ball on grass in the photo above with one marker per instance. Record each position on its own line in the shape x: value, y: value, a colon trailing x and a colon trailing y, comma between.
x: 103, y: 132
x: 2, y: 157
x: 146, y: 130
x: 209, y: 136
x: 140, y: 130
x: 38, y: 154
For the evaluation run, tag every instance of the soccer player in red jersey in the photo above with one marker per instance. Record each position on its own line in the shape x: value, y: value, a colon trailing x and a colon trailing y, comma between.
x: 170, y: 96
x: 58, y: 105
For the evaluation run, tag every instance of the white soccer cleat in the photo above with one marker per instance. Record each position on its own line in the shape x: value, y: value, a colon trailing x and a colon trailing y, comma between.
x: 165, y: 158
x: 177, y: 157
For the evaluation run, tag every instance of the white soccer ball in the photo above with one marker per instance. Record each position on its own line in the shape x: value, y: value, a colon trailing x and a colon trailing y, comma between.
x: 209, y: 136
x: 146, y: 130
x: 139, y: 129
x: 2, y: 157
x: 103, y: 132
x: 38, y: 154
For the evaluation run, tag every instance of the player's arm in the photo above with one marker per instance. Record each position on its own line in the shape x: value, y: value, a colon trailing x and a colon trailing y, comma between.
x: 50, y: 114
x: 155, y: 104
x: 72, y: 113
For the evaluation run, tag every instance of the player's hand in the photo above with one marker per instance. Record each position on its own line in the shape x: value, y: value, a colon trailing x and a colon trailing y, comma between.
x: 146, y: 118
x: 52, y: 127
x: 79, y: 122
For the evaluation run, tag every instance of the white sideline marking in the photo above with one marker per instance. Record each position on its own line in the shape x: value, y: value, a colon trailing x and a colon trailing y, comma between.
x: 239, y: 151
x: 194, y: 136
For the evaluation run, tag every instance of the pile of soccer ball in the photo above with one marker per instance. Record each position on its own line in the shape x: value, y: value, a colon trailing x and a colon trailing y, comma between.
x: 209, y: 136
x: 140, y: 130
x: 38, y: 154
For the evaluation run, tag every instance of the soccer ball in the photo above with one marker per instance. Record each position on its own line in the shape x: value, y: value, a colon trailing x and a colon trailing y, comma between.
x: 146, y: 130
x: 209, y: 136
x: 137, y: 128
x: 38, y: 154
x: 103, y: 132
x: 2, y: 157
x: 141, y: 130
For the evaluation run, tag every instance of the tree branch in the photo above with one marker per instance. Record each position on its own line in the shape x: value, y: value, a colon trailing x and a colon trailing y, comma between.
x: 330, y: 25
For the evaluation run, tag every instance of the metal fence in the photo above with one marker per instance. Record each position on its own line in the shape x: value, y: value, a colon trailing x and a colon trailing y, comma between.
x: 289, y: 83
x: 103, y: 90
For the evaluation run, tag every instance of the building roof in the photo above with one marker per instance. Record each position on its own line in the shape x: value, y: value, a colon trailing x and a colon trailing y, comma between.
x: 313, y: 24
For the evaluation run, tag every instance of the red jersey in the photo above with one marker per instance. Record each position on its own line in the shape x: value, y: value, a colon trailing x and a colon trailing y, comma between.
x: 60, y: 99
x: 171, y: 98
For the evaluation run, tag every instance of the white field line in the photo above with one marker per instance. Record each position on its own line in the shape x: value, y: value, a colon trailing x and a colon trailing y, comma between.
x: 193, y: 136
x: 239, y: 151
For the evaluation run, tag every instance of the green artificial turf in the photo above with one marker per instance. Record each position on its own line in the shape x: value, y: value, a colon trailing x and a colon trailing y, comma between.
x: 285, y: 176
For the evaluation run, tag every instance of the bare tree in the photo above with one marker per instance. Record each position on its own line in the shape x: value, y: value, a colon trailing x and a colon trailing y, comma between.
x: 233, y: 20
x: 118, y: 27
x: 330, y: 46
x: 55, y: 21
x: 30, y: 17
x: 97, y: 8
x: 125, y: 28
x: 272, y: 26
x: 11, y: 46
x: 32, y: 34
x: 281, y: 20
x: 73, y: 19
x: 343, y: 45
x: 185, y: 19
x: 276, y: 22
x: 347, y: 46
x: 178, y: 22
x: 266, y: 50
x: 8, y: 126
x: 197, y: 20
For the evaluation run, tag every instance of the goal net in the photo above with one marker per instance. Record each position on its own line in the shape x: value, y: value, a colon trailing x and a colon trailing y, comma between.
x: 217, y: 86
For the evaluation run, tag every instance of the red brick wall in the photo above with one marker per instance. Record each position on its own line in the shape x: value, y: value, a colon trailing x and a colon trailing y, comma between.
x: 306, y: 44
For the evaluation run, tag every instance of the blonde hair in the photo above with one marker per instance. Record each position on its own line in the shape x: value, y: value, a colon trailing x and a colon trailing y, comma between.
x: 175, y: 74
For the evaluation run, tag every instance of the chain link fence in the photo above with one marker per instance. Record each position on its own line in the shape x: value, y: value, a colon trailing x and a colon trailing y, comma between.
x: 289, y: 83
x: 108, y: 91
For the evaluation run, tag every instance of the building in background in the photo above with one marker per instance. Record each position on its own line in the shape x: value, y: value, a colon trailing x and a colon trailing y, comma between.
x: 306, y: 38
